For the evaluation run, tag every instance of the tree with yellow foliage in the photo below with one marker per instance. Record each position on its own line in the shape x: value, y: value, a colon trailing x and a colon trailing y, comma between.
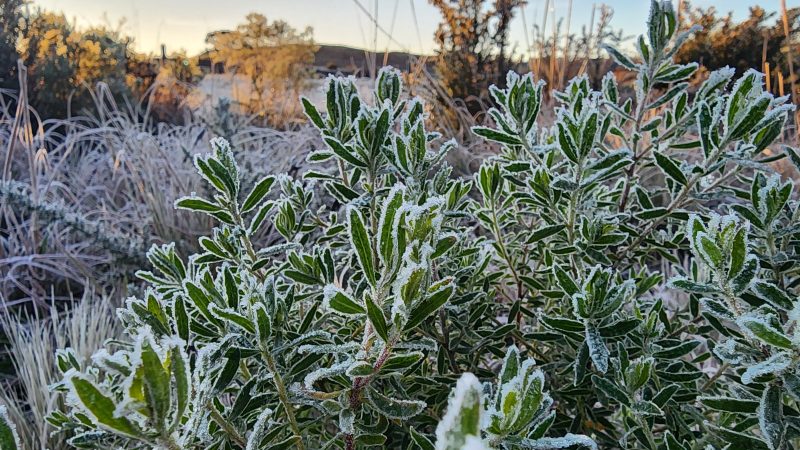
x: 275, y: 57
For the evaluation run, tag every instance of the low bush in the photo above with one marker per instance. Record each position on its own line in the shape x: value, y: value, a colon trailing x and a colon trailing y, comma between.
x: 623, y: 279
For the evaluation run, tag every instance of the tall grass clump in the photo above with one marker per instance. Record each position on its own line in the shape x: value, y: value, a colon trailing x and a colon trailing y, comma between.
x: 32, y: 343
x: 522, y: 308
x: 82, y: 198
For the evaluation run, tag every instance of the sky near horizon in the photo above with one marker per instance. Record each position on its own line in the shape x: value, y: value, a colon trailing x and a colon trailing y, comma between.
x: 183, y: 24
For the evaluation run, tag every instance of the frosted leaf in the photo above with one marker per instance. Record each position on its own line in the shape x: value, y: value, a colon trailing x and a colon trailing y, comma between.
x: 347, y: 421
x: 567, y: 441
x: 770, y: 417
x: 6, y: 420
x: 475, y: 443
x: 794, y: 316
x: 397, y: 188
x: 730, y: 351
x: 118, y: 362
x: 764, y: 323
x: 328, y: 348
x: 316, y: 334
x: 324, y: 372
x: 597, y: 348
x: 259, y: 430
x: 422, y: 344
x: 394, y: 408
x: 776, y: 364
x: 463, y: 416
x: 336, y: 300
x: 129, y: 406
x: 716, y: 80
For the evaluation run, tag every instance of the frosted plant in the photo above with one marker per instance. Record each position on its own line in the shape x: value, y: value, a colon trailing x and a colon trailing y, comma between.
x: 8, y: 433
x: 518, y: 415
x: 547, y: 267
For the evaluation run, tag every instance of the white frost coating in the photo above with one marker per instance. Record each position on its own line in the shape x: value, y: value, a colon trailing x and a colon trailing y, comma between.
x: 727, y: 352
x: 110, y: 362
x: 468, y: 390
x: 197, y: 425
x: 765, y: 320
x: 597, y: 349
x: 772, y: 183
x: 328, y: 348
x: 756, y: 89
x: 716, y: 80
x: 422, y: 344
x: 4, y: 418
x: 74, y: 401
x: 259, y: 430
x: 330, y: 291
x: 392, y: 192
x: 569, y: 440
x: 296, y: 341
x: 768, y: 427
x: 336, y: 369
x: 128, y: 404
x: 220, y: 144
x: 776, y: 364
x: 474, y: 442
x: 794, y: 320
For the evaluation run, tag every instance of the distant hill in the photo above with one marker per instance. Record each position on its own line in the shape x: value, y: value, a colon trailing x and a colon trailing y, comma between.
x: 349, y: 60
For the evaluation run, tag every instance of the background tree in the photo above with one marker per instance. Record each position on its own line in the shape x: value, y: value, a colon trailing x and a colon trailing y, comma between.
x: 274, y: 56
x: 473, y: 46
x: 742, y: 45
x: 10, y: 11
x: 65, y: 63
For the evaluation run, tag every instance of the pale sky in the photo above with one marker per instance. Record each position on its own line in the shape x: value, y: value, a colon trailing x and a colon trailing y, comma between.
x: 185, y: 23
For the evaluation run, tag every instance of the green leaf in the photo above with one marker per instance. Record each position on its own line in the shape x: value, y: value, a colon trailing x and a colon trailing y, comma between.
x: 736, y: 439
x: 611, y: 390
x: 729, y: 404
x: 565, y: 280
x: 760, y: 328
x: 344, y: 152
x: 670, y: 167
x: 422, y: 442
x: 8, y: 433
x: 429, y: 305
x: 377, y: 318
x: 387, y: 239
x: 463, y: 416
x: 496, y: 136
x: 597, y: 348
x: 197, y: 204
x: 645, y: 408
x: 156, y: 383
x: 394, y: 408
x: 770, y: 417
x: 101, y: 407
x: 359, y: 238
x: 738, y: 253
x: 544, y: 232
x: 691, y: 286
x: 401, y: 361
x: 260, y: 190
x: 312, y: 113
x: 772, y: 294
x: 339, y: 301
x: 619, y: 57
x: 677, y: 351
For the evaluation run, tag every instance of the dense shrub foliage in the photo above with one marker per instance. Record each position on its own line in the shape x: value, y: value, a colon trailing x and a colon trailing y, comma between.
x: 528, y: 308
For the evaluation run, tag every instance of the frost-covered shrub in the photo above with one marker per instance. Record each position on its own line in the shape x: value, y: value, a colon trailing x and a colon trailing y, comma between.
x: 534, y: 292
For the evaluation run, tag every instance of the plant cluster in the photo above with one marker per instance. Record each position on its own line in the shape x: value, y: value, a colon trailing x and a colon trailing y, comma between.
x: 536, y: 292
